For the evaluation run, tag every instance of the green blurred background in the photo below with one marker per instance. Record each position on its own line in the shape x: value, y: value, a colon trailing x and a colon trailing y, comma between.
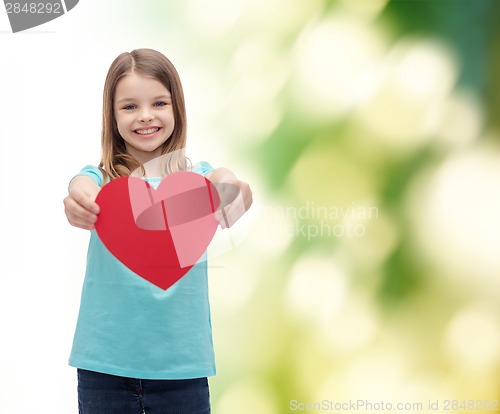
x: 368, y: 267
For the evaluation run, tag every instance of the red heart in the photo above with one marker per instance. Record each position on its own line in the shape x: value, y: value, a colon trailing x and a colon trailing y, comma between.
x: 158, y: 234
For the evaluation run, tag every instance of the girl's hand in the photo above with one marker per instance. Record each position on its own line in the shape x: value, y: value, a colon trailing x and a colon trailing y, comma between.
x: 235, y: 196
x: 80, y: 206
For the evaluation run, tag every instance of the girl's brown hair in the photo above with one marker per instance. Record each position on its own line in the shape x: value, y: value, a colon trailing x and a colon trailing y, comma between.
x: 115, y: 161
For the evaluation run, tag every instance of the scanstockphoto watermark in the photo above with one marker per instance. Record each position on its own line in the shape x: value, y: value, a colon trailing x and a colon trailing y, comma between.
x: 355, y: 405
x: 364, y: 405
x: 310, y: 220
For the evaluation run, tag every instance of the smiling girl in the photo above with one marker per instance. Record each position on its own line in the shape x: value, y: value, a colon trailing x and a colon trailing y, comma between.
x: 137, y: 348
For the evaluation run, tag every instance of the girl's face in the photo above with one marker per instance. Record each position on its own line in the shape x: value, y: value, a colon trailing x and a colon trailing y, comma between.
x: 144, y: 115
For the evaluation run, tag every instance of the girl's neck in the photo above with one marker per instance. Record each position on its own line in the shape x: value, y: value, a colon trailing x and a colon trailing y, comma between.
x: 152, y: 168
x: 152, y: 164
x: 157, y: 166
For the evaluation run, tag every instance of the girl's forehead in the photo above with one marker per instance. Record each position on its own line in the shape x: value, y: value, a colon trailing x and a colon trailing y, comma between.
x: 140, y: 84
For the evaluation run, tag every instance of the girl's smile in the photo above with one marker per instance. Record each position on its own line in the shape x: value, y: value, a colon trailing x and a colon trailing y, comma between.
x: 147, y: 132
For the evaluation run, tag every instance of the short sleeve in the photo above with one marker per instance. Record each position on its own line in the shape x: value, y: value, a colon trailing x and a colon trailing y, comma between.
x: 202, y: 168
x: 92, y: 172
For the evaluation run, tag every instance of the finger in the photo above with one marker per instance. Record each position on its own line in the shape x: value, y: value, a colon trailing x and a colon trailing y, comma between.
x: 77, y: 221
x: 233, y: 212
x: 247, y: 195
x: 85, y: 200
x: 78, y: 215
x: 220, y: 216
x: 83, y: 225
x: 227, y: 193
x: 224, y: 222
x: 78, y: 212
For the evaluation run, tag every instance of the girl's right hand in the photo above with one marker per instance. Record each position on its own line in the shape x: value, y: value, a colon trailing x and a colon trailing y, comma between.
x: 80, y: 206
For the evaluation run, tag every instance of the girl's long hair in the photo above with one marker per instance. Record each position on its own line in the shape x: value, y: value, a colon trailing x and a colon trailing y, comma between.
x: 115, y: 161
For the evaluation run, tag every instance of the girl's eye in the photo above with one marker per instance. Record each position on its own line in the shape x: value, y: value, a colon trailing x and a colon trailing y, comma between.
x: 160, y: 103
x: 129, y: 107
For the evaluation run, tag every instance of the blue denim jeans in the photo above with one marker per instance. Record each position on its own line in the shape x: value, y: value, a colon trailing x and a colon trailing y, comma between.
x: 108, y: 394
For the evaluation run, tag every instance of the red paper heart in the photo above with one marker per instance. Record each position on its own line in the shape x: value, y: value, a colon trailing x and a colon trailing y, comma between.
x: 158, y: 234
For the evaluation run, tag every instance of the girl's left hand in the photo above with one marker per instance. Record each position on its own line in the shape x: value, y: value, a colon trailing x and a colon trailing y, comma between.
x: 235, y: 196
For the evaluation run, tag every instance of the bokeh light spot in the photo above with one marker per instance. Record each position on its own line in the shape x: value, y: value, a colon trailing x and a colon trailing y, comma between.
x: 472, y: 338
x: 405, y: 103
x: 332, y: 56
x: 455, y: 215
x: 317, y: 288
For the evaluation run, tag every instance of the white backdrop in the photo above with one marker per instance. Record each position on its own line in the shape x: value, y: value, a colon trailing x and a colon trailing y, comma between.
x: 49, y: 127
x: 51, y: 80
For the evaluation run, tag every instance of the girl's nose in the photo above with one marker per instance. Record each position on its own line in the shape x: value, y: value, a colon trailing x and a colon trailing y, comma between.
x: 146, y: 116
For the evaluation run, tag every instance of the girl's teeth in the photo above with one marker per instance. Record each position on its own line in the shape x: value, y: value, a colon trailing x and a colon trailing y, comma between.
x: 146, y: 131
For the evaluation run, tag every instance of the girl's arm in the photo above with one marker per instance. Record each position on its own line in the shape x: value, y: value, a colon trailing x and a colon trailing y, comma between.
x: 80, y: 206
x: 235, y: 196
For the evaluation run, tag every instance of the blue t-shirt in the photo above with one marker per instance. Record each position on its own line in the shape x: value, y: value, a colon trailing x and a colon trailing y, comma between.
x: 129, y: 327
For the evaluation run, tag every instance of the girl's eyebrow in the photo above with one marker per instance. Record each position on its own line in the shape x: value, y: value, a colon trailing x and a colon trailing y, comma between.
x: 124, y: 100
x: 161, y: 97
x: 154, y: 99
